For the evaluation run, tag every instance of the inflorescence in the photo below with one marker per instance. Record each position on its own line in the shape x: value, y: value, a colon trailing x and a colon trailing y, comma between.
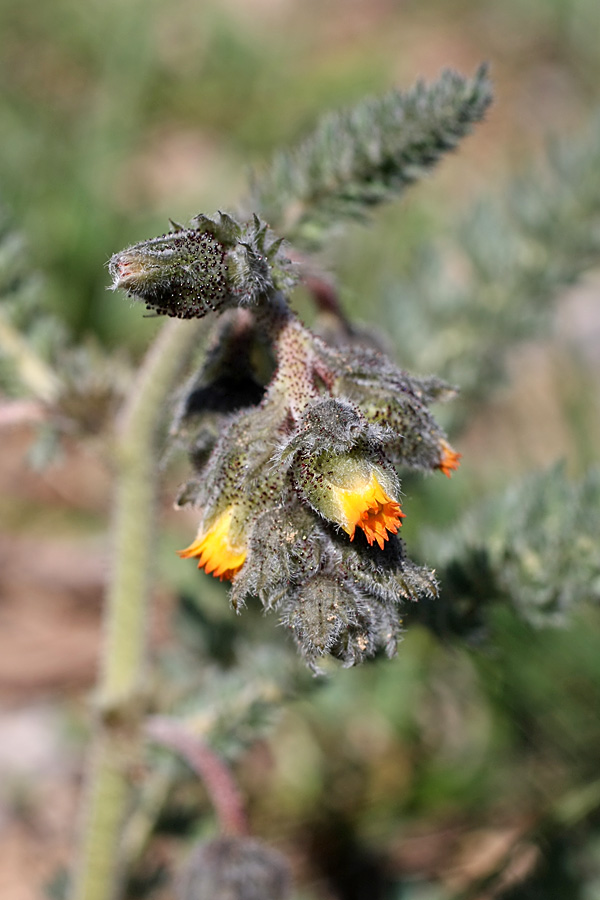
x: 296, y: 472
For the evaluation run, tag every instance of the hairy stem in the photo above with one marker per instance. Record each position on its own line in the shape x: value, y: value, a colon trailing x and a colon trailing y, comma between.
x: 118, y: 737
x: 297, y: 363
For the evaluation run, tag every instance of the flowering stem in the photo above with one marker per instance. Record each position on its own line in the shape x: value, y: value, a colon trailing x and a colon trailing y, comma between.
x: 118, y: 739
x: 297, y: 363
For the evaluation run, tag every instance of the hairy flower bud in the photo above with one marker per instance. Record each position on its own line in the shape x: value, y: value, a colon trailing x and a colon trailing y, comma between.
x: 321, y: 611
x: 236, y: 486
x: 209, y: 266
x: 284, y: 549
x: 183, y: 274
x: 397, y: 402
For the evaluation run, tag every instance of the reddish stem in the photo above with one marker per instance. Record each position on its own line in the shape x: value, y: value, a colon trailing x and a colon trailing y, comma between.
x: 218, y: 780
x: 326, y: 298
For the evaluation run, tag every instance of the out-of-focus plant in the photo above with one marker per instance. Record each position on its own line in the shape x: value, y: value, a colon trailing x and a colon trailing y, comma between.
x: 472, y: 298
x: 533, y: 549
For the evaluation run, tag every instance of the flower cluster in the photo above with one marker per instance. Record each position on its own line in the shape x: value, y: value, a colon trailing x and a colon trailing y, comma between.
x: 296, y: 447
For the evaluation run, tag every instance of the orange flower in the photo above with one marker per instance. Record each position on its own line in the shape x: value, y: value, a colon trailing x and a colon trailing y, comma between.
x: 450, y: 459
x: 368, y: 506
x: 218, y: 553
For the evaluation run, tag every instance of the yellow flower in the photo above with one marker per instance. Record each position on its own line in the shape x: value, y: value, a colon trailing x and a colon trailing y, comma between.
x: 219, y: 553
x: 366, y: 505
x: 450, y: 459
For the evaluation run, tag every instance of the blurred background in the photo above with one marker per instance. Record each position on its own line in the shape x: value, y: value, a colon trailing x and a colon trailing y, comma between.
x: 411, y: 779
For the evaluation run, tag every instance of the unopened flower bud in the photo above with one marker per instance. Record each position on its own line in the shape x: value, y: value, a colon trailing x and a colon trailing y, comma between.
x: 182, y: 274
x: 209, y: 266
x: 321, y: 611
x: 392, y: 399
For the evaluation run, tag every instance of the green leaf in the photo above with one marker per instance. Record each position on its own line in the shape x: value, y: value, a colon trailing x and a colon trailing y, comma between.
x: 361, y: 157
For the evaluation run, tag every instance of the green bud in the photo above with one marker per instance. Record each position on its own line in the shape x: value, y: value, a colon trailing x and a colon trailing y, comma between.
x: 329, y: 614
x: 397, y: 403
x: 285, y: 548
x: 322, y: 610
x: 207, y: 267
x: 329, y: 424
x: 183, y: 274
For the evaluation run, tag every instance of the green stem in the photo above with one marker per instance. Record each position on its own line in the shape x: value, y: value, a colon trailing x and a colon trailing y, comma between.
x: 118, y: 740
